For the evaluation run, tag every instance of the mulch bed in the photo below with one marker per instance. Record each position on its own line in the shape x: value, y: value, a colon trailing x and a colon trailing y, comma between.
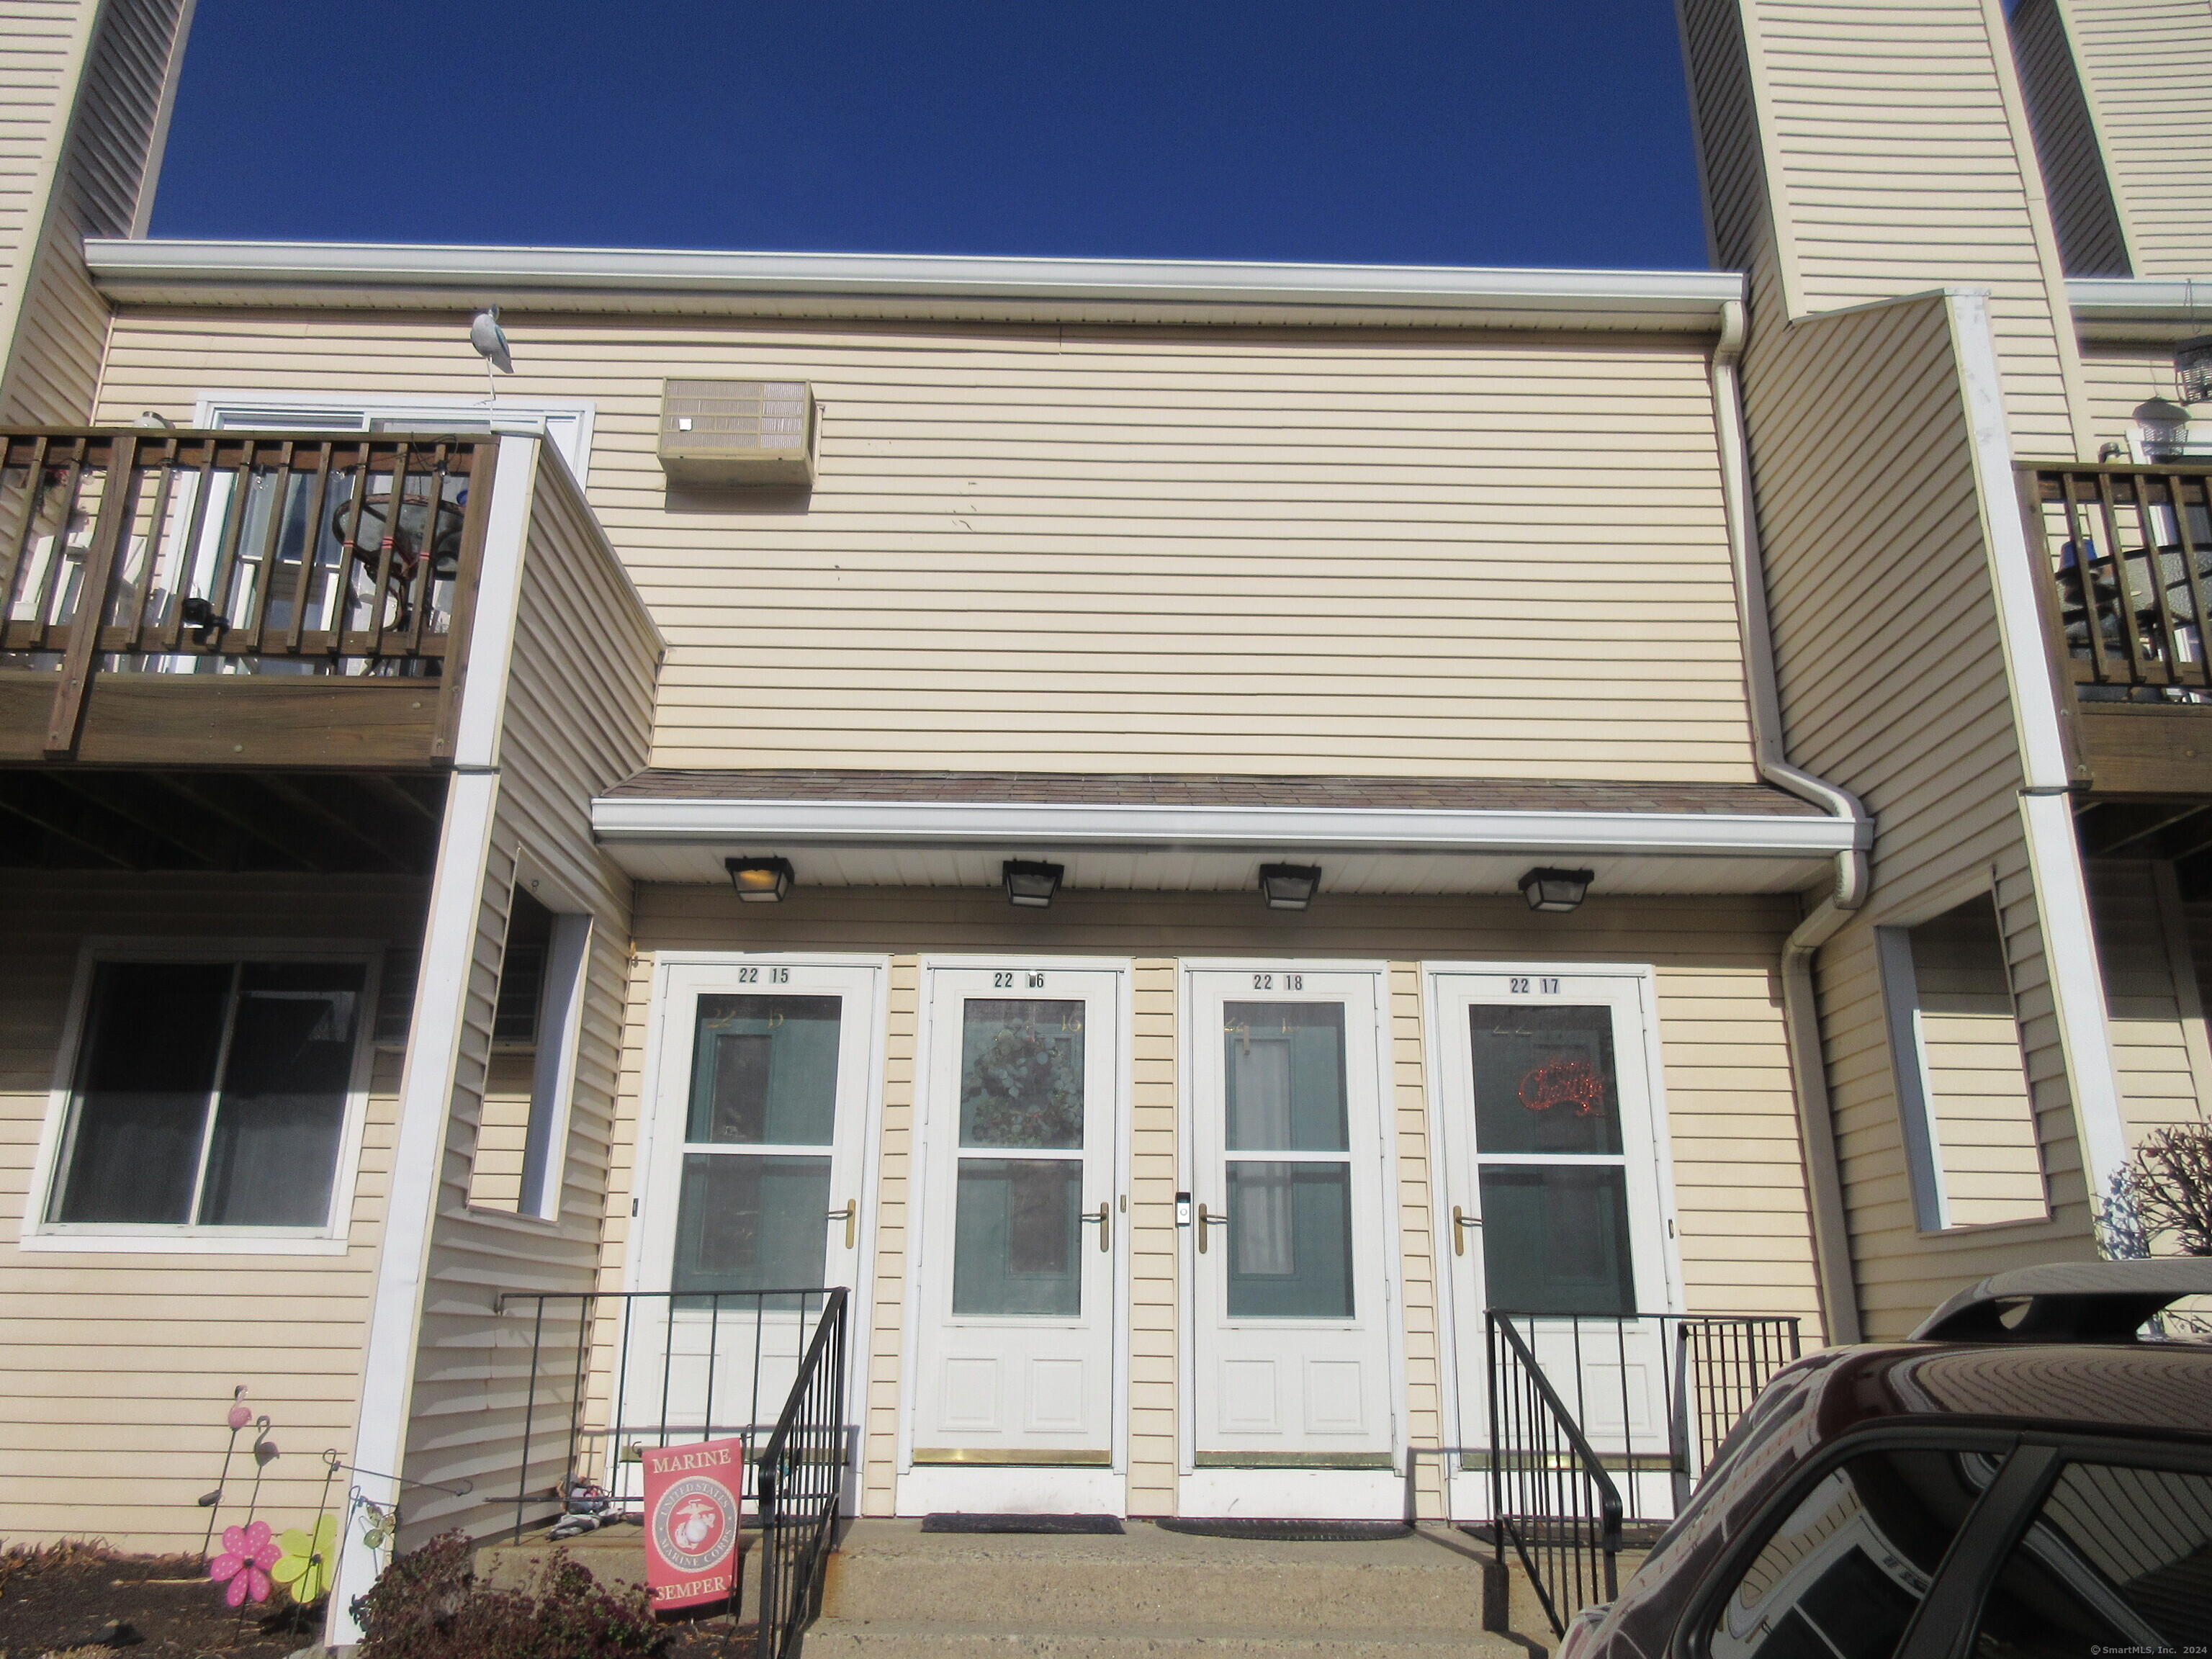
x: 62, y: 1598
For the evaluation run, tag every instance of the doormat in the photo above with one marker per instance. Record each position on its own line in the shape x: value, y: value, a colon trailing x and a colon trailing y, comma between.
x: 1292, y: 1532
x: 1033, y: 1523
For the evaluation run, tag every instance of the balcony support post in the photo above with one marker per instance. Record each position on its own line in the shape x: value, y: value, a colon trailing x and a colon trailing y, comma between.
x: 82, y: 660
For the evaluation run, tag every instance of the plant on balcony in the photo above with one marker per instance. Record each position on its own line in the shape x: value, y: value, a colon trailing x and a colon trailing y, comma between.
x: 429, y: 1605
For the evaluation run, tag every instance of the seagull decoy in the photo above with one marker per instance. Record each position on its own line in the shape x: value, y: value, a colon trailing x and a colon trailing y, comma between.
x: 490, y: 340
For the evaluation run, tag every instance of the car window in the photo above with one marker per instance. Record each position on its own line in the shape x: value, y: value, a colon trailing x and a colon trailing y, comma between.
x: 1842, y: 1575
x: 1782, y: 1400
x: 2117, y: 1560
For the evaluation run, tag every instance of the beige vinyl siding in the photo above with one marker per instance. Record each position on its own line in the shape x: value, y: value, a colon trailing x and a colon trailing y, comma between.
x: 2090, y: 238
x: 1447, y: 553
x: 1879, y: 584
x: 1425, y: 1409
x: 104, y: 174
x: 1724, y: 120
x: 1745, y: 1233
x: 1981, y: 1117
x: 43, y: 48
x: 1896, y: 160
x: 2121, y: 374
x: 2146, y: 66
x: 503, y: 1133
x: 117, y: 1367
x: 576, y: 715
x: 2151, y: 994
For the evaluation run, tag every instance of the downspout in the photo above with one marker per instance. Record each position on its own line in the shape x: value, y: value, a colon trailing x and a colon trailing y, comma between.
x: 1801, y: 1014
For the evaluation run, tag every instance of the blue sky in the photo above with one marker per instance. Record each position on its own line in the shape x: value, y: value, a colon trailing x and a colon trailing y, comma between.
x: 1421, y: 132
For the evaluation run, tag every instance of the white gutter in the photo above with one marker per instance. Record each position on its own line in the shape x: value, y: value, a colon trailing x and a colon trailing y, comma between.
x: 1800, y: 1013
x: 2061, y: 894
x: 2175, y: 299
x: 799, y: 823
x: 127, y: 270
x: 2156, y: 309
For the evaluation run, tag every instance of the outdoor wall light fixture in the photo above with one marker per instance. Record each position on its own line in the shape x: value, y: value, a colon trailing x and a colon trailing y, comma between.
x: 759, y: 881
x: 1029, y: 884
x: 1556, y: 891
x: 1289, y: 886
x: 2192, y: 367
x: 2164, y: 424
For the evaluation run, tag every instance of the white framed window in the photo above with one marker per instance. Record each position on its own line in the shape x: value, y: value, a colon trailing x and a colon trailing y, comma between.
x: 1963, y: 1094
x: 522, y: 1132
x: 565, y: 423
x: 212, y: 1096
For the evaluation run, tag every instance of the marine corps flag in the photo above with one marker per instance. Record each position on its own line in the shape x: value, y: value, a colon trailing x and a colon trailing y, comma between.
x: 691, y: 1504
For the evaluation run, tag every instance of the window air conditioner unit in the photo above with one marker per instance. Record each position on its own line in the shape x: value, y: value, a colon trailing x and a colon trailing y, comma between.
x: 725, y: 433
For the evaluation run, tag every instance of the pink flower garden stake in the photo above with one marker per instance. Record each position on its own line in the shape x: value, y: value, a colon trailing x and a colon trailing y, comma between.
x: 248, y: 1553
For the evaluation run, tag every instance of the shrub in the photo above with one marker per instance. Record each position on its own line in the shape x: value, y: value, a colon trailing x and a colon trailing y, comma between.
x: 428, y: 1605
x: 2171, y: 1179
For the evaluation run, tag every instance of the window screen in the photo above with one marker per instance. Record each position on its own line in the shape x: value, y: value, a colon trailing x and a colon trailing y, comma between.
x: 211, y: 1093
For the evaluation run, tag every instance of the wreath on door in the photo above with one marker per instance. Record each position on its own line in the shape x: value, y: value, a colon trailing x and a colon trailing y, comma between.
x: 1558, y: 1083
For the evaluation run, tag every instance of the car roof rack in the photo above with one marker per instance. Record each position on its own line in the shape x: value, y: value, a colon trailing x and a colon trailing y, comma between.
x: 2067, y: 1301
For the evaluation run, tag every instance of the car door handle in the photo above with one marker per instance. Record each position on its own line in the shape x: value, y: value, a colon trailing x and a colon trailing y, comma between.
x: 1105, y: 1220
x: 850, y: 1215
x: 1206, y: 1221
x: 1461, y: 1222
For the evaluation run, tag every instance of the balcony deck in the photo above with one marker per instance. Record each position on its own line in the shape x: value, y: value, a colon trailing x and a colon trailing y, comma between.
x: 2125, y: 574
x: 261, y: 601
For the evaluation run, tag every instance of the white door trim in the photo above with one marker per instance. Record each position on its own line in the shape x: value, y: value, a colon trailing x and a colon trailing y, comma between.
x: 1109, y: 1486
x: 859, y: 1325
x: 1644, y: 976
x: 1192, y: 1479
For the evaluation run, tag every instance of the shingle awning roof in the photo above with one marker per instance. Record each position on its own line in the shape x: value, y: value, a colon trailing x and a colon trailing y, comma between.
x: 1212, y: 830
x: 1212, y: 789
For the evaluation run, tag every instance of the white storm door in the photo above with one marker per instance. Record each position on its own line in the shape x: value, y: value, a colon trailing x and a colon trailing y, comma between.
x: 1554, y: 1209
x: 765, y: 1073
x: 1020, y: 1227
x: 1290, y: 1284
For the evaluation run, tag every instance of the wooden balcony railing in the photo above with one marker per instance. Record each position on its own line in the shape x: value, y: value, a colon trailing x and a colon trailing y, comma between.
x: 325, y: 559
x: 2128, y: 557
x: 2124, y: 563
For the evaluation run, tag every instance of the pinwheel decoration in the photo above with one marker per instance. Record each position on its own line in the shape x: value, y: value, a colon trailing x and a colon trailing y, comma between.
x: 248, y: 1553
x: 308, y: 1555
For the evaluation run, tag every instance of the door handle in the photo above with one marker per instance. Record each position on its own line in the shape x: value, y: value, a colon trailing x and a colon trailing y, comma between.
x: 1206, y: 1221
x: 1461, y: 1222
x: 850, y: 1215
x: 1105, y: 1220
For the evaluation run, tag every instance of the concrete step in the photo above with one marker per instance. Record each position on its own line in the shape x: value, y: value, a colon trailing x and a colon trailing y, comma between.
x: 895, y: 1592
x: 840, y: 1639
x: 615, y: 1554
x: 1145, y: 1580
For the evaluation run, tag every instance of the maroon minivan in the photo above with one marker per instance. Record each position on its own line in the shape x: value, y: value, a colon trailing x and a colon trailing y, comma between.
x: 2030, y: 1475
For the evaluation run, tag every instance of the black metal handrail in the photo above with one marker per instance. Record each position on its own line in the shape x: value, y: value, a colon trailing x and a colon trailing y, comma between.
x: 614, y: 1371
x: 800, y: 1479
x: 1550, y: 1496
x: 1645, y: 1397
